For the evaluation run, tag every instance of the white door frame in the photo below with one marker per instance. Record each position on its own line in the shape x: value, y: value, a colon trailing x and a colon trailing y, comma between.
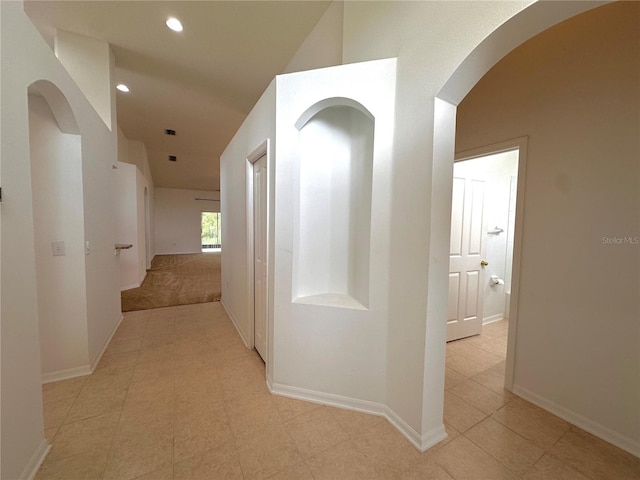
x: 519, y: 144
x: 147, y: 230
x: 254, y: 156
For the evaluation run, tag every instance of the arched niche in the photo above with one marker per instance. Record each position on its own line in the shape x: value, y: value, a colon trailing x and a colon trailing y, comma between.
x: 332, y: 238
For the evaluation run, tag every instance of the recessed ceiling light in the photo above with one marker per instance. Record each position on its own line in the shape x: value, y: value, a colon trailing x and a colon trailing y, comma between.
x: 122, y: 87
x: 174, y: 24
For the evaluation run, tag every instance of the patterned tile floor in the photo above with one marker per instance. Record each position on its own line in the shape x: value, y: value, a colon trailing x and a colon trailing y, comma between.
x: 178, y: 396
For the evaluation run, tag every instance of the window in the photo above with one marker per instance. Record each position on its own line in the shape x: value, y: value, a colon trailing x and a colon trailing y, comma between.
x: 211, y: 231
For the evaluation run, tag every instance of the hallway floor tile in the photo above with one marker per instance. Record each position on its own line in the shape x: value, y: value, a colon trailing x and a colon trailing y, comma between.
x: 177, y: 396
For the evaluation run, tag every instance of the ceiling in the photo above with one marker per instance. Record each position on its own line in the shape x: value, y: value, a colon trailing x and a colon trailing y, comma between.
x: 201, y: 82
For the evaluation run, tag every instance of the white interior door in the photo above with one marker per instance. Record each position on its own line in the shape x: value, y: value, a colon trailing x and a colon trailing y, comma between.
x: 466, y: 275
x: 260, y: 254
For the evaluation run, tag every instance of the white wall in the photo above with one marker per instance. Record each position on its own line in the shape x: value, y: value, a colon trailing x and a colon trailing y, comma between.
x: 329, y: 347
x: 133, y: 219
x: 316, y: 348
x: 429, y: 51
x: 26, y: 59
x: 137, y: 155
x: 56, y: 176
x: 443, y: 49
x: 574, y: 92
x: 123, y: 147
x: 323, y: 46
x: 177, y: 216
x: 430, y: 40
x: 127, y: 223
x: 88, y: 62
x: 498, y: 171
x: 237, y: 286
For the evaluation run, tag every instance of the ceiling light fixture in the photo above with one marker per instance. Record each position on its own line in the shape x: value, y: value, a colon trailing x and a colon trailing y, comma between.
x: 122, y: 87
x: 174, y: 24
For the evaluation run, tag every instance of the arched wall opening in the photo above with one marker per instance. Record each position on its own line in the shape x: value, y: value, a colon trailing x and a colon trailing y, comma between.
x: 547, y: 391
x: 58, y: 218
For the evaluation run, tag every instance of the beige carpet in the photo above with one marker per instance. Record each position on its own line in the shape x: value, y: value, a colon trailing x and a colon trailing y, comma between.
x: 176, y: 280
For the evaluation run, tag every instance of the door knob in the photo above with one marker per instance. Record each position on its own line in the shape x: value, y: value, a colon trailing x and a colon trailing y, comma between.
x: 484, y: 263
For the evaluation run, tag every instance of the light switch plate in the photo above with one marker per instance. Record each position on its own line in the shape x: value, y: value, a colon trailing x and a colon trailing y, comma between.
x: 57, y: 248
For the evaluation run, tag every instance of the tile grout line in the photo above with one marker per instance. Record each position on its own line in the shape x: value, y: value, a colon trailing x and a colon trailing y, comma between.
x: 115, y: 431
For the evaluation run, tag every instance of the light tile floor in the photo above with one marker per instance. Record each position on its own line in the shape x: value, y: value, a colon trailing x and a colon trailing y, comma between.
x: 178, y: 396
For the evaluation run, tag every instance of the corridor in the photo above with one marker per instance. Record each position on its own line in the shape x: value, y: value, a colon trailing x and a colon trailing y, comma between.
x: 178, y: 396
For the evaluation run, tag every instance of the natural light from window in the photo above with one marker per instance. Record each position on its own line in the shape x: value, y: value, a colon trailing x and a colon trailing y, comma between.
x: 211, y: 233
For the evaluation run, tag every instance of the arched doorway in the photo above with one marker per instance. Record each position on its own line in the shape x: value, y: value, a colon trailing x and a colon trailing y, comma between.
x: 58, y: 217
x: 543, y: 364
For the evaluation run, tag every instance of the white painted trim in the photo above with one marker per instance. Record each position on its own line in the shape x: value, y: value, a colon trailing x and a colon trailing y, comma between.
x: 262, y: 150
x: 191, y: 252
x: 529, y: 22
x: 144, y: 277
x: 422, y: 443
x: 35, y: 461
x: 330, y: 399
x: 136, y: 285
x: 95, y: 362
x: 258, y: 152
x: 433, y: 437
x: 493, y: 149
x: 129, y: 287
x: 621, y: 441
x: 235, y: 324
x: 492, y: 318
x: 66, y: 374
x: 519, y: 144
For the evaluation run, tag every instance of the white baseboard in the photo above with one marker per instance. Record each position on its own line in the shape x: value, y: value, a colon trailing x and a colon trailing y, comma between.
x: 35, y: 461
x: 136, y: 285
x: 492, y: 318
x: 129, y: 287
x: 66, y: 374
x: 421, y: 442
x: 329, y: 399
x: 176, y: 253
x: 600, y: 431
x: 235, y: 324
x: 433, y: 437
x: 95, y: 362
x: 82, y: 370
